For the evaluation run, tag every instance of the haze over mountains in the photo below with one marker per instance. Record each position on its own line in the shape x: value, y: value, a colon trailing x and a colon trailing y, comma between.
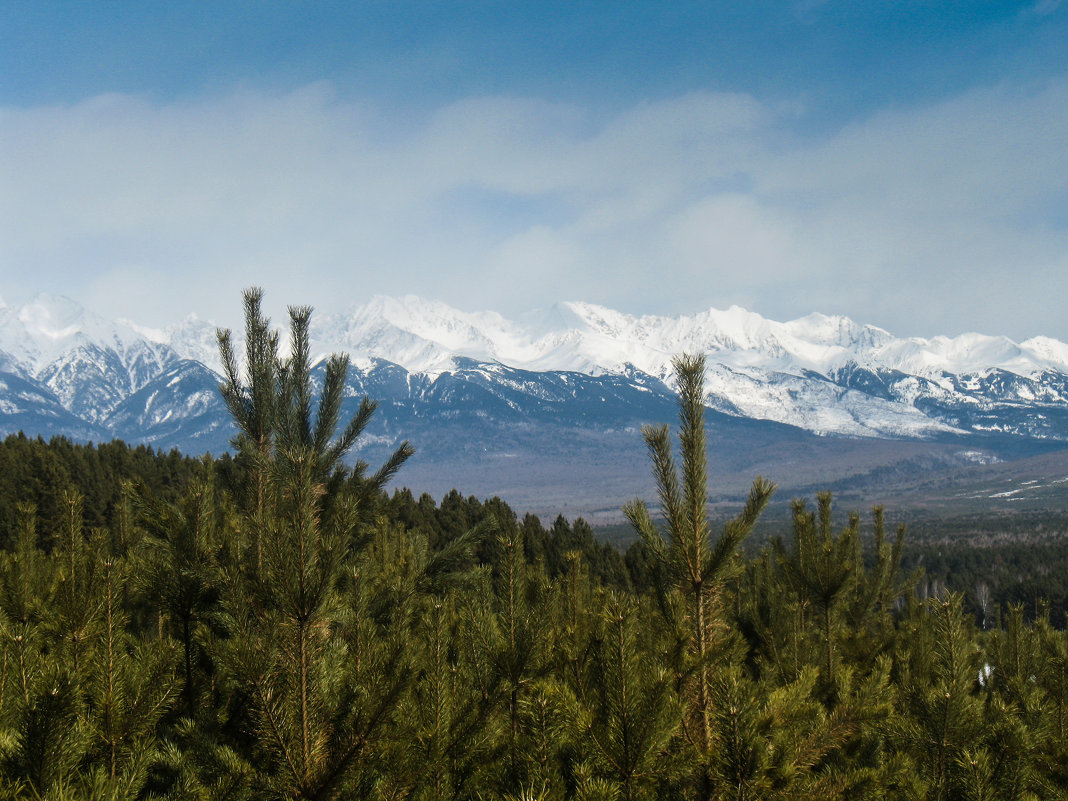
x: 553, y: 402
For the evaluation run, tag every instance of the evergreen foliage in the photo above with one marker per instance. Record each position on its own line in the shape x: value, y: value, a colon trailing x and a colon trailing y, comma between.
x: 698, y: 568
x: 276, y: 626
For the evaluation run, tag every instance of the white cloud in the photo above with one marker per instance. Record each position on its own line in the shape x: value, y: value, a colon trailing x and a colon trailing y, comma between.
x: 956, y: 209
x: 989, y: 153
x: 919, y: 219
x: 1044, y: 8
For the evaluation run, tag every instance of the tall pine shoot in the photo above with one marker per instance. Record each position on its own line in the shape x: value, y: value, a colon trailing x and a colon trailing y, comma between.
x: 698, y: 567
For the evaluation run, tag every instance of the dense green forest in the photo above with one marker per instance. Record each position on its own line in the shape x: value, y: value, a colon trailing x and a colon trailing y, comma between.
x: 275, y: 625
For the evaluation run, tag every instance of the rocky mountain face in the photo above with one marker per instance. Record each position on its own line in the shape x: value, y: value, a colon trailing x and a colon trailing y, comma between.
x: 570, y: 386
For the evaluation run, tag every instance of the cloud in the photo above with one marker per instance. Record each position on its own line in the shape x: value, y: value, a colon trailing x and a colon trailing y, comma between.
x: 990, y: 153
x: 1044, y: 8
x: 943, y: 217
x: 956, y: 209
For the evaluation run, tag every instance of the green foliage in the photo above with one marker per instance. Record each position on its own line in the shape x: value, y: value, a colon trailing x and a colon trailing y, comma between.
x: 314, y: 718
x: 621, y: 705
x: 942, y: 722
x: 276, y: 626
x: 696, y: 567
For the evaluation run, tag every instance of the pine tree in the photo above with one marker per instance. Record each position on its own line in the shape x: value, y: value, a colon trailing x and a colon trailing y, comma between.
x: 623, y: 705
x: 30, y: 718
x: 821, y: 583
x: 313, y: 724
x: 252, y: 407
x: 181, y: 575
x: 1021, y: 715
x: 402, y: 626
x: 25, y: 600
x: 768, y: 739
x: 76, y: 591
x: 452, y: 740
x: 131, y: 688
x: 871, y: 629
x: 823, y: 570
x: 511, y: 629
x: 942, y: 719
x: 698, y: 568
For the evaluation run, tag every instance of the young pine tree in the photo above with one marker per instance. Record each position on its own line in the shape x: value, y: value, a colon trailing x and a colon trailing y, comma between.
x: 313, y: 722
x: 942, y: 721
x: 623, y: 705
x: 697, y: 566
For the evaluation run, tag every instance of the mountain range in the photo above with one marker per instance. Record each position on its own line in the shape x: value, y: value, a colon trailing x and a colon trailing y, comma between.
x: 548, y: 407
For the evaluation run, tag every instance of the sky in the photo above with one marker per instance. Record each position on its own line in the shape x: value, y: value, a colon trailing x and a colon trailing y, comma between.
x: 901, y: 162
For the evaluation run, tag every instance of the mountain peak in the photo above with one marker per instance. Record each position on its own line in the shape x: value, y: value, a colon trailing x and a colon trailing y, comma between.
x: 424, y: 336
x: 826, y: 373
x: 55, y: 316
x: 1052, y: 351
x: 38, y: 332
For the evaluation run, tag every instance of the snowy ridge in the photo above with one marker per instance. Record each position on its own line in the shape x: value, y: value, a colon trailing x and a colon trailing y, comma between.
x: 50, y: 326
x: 827, y: 374
x: 788, y: 372
x: 424, y: 336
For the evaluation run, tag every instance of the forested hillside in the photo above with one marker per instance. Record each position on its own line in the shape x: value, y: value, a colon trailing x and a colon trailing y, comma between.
x: 277, y: 626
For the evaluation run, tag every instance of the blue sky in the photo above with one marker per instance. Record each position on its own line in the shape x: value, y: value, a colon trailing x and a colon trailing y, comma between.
x: 903, y: 162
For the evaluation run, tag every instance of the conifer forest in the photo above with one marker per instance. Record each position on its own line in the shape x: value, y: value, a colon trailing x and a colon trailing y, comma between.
x: 276, y: 625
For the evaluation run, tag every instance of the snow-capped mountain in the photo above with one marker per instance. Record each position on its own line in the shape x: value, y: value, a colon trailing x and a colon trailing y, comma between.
x: 423, y: 336
x: 89, y: 364
x: 825, y: 375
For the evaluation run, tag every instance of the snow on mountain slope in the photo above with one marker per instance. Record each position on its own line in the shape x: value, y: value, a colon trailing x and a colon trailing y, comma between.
x: 89, y: 363
x: 28, y: 406
x: 797, y: 372
x: 50, y: 326
x: 817, y: 405
x: 181, y: 407
x: 91, y: 380
x: 425, y: 336
x: 194, y: 339
x: 817, y: 342
x: 827, y: 374
x: 420, y: 335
